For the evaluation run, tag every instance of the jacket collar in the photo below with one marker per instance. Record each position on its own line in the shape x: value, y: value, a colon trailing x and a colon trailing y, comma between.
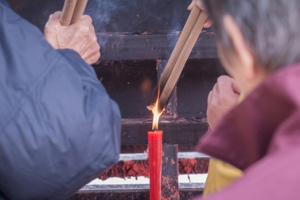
x: 247, y: 132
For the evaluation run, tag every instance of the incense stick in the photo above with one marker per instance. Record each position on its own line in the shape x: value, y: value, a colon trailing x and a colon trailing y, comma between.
x: 67, y: 12
x: 179, y: 45
x: 79, y: 10
x: 72, y: 11
x: 180, y: 62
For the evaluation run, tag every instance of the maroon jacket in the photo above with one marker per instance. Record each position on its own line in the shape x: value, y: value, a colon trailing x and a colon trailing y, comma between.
x: 261, y: 136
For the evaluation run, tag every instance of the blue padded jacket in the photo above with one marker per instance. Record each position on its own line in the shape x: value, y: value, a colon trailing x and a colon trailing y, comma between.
x: 59, y: 129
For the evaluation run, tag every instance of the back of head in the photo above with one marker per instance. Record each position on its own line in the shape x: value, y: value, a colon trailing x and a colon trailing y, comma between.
x: 270, y: 27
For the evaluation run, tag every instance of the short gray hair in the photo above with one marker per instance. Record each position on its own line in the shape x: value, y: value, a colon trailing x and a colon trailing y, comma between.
x: 270, y: 27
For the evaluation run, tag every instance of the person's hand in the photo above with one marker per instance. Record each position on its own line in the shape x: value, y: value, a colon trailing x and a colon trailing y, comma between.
x: 198, y: 3
x: 221, y: 99
x: 79, y: 36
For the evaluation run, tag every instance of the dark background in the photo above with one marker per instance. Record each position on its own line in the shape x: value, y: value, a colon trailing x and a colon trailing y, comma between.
x: 134, y: 16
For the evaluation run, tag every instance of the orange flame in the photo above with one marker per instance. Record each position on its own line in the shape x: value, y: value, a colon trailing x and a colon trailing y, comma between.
x: 156, y: 116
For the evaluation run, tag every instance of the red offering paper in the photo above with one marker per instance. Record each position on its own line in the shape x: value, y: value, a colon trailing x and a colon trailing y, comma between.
x: 155, y: 163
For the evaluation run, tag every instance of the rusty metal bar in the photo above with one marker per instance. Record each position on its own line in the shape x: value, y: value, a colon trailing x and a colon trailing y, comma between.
x: 170, y: 189
x: 176, y: 131
x: 171, y: 108
x: 128, y: 46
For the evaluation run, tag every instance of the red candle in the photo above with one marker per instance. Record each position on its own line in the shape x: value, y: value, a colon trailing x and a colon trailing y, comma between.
x: 155, y: 155
x: 155, y: 163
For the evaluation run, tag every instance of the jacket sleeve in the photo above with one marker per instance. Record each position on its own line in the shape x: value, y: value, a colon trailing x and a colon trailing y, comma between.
x: 59, y: 129
x: 220, y: 174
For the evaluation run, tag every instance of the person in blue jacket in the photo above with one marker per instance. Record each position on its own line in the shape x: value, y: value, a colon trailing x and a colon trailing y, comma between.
x: 59, y: 129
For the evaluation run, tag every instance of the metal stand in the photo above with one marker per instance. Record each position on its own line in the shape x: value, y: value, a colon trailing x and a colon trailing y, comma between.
x: 170, y: 189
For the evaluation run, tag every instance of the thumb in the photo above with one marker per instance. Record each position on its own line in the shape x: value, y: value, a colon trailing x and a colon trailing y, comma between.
x: 226, y: 85
x: 55, y: 17
x: 190, y: 7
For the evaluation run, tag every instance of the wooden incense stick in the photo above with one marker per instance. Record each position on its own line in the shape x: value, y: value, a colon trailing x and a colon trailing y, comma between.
x: 79, y: 10
x: 67, y: 12
x: 179, y: 46
x: 174, y: 56
x: 184, y: 54
x: 72, y: 11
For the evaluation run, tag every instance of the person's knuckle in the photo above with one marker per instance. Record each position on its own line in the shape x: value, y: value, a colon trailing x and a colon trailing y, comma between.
x: 215, y: 86
x: 47, y: 25
x: 57, y: 13
x: 214, y: 100
x: 85, y: 29
x: 92, y: 28
x: 219, y: 80
x: 82, y: 29
x: 87, y: 19
x: 93, y: 37
x: 222, y: 78
x: 98, y: 54
x: 97, y: 47
x: 93, y: 59
x: 223, y: 97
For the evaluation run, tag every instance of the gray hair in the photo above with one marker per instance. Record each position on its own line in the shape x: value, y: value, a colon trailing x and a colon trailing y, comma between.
x: 270, y: 27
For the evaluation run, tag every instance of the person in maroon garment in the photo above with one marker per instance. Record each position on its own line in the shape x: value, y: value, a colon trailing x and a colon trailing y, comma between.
x: 258, y: 43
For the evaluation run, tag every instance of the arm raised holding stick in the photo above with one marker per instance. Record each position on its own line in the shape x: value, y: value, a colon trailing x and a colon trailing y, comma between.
x: 70, y: 29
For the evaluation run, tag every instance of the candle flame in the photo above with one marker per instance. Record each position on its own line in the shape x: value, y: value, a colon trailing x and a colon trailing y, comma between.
x: 156, y: 115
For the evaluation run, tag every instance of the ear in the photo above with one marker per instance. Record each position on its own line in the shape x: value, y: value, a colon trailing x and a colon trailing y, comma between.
x: 241, y: 48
